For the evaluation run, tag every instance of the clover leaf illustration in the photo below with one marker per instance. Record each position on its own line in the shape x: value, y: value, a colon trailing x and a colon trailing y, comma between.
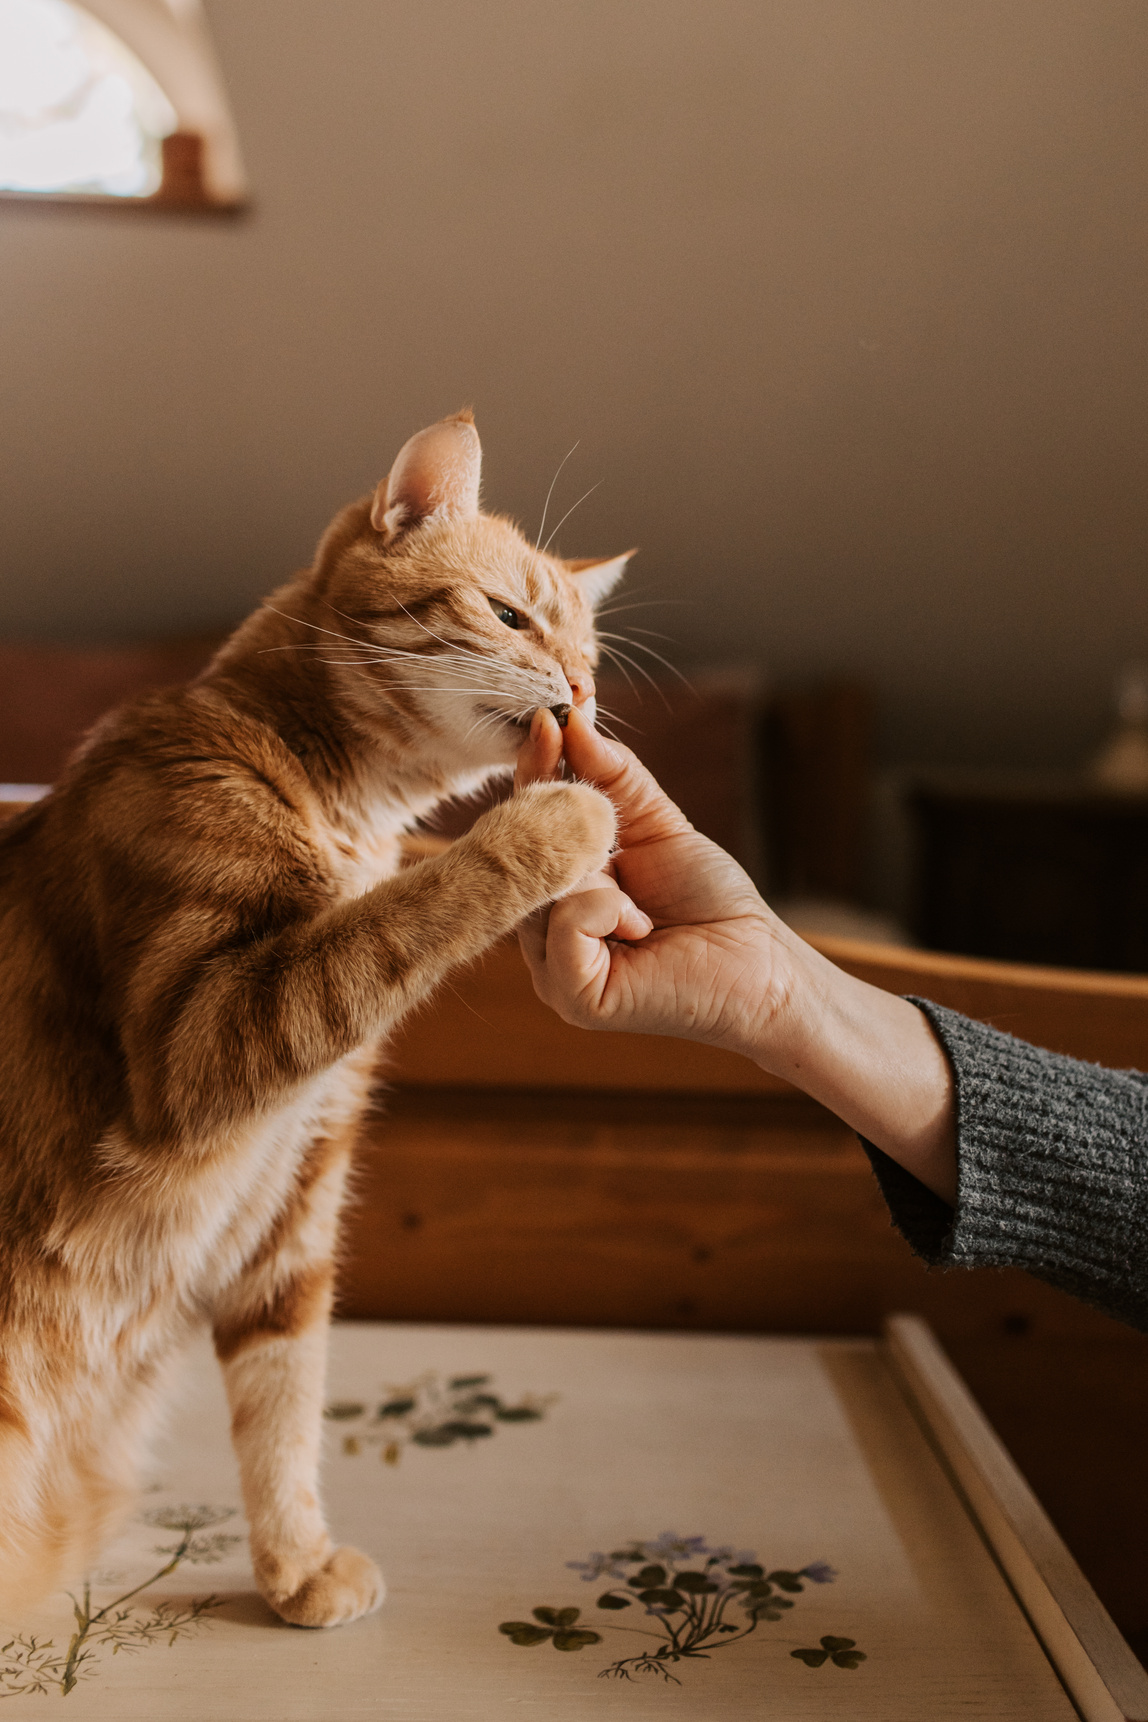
x: 694, y: 1598
x: 841, y: 1652
x: 557, y: 1625
x: 431, y: 1411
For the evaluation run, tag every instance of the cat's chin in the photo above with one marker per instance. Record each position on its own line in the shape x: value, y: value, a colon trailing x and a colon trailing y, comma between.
x: 500, y: 740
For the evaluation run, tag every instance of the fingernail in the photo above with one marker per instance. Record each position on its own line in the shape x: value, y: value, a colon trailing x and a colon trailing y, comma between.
x: 536, y: 724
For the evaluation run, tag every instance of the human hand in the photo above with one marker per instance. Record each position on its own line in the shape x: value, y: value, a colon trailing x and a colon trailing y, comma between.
x: 673, y: 938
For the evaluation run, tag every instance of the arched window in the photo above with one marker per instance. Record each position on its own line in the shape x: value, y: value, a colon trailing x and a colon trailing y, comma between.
x: 114, y: 100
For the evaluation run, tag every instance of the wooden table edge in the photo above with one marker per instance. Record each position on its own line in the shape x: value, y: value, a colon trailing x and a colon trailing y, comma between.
x: 1080, y: 1638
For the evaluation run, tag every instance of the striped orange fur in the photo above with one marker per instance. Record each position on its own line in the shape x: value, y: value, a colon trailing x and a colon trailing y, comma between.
x: 204, y: 940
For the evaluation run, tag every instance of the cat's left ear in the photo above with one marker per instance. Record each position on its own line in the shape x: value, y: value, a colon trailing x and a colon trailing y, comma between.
x: 438, y: 471
x: 597, y: 578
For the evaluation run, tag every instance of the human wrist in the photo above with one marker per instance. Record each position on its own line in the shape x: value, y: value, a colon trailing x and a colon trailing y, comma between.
x: 766, y: 1012
x: 871, y: 1057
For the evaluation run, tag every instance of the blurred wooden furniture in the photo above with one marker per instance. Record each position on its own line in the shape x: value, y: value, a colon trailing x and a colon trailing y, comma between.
x: 525, y: 1171
x: 50, y: 695
x: 817, y: 759
x: 1032, y: 869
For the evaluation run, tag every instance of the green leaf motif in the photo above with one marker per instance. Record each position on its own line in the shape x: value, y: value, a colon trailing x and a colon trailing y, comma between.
x: 440, y: 1437
x: 341, y: 1409
x: 664, y: 1598
x: 467, y: 1431
x: 680, y: 1621
x: 396, y: 1407
x: 457, y: 1381
x: 517, y: 1414
x: 521, y: 1632
x: 842, y: 1652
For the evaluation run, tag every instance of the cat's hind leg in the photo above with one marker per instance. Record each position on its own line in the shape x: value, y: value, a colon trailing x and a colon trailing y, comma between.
x: 270, y: 1333
x: 63, y: 1492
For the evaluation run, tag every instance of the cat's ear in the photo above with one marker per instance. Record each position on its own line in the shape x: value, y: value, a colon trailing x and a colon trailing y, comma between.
x: 437, y: 472
x: 598, y: 578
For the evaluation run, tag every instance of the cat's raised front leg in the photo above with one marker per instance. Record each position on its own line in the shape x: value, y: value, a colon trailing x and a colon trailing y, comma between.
x: 268, y: 1015
x: 270, y: 1334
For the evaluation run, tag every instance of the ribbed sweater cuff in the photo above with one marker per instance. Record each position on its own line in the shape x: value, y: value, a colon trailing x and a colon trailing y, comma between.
x: 1052, y: 1170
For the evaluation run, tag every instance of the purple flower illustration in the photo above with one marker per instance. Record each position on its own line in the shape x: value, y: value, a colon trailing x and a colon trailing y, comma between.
x: 597, y: 1564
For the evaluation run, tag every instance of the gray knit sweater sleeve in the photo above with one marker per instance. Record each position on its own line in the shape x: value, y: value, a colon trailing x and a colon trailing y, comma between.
x: 1052, y: 1170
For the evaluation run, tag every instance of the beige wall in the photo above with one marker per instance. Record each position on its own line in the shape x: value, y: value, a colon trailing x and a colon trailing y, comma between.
x: 844, y: 299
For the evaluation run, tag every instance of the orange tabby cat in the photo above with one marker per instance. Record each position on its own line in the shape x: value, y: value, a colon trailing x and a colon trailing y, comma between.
x: 203, y: 939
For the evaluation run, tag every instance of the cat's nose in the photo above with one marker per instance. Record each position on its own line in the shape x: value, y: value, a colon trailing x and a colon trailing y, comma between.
x: 581, y: 686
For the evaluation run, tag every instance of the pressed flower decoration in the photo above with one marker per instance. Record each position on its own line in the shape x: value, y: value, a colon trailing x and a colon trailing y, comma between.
x: 432, y: 1411
x: 695, y: 1599
x: 31, y: 1664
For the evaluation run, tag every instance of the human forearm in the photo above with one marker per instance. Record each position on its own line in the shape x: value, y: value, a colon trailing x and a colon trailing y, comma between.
x: 869, y: 1056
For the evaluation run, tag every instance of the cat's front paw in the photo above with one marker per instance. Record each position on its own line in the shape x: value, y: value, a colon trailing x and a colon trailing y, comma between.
x: 347, y: 1585
x: 563, y: 831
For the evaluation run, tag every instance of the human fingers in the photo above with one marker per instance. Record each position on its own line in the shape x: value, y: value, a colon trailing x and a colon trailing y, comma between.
x: 645, y: 811
x: 577, y: 953
x: 532, y: 938
x: 540, y: 755
x: 597, y: 909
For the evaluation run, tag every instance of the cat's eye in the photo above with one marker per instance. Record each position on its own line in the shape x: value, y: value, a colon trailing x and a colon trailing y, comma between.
x: 505, y: 613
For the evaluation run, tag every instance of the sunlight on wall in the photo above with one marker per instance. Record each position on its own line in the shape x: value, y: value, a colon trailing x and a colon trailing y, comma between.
x: 78, y: 110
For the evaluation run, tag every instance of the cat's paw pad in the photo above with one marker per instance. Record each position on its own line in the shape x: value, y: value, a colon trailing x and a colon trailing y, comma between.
x: 347, y: 1585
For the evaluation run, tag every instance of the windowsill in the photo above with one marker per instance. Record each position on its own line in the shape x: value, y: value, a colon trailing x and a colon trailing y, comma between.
x: 157, y: 204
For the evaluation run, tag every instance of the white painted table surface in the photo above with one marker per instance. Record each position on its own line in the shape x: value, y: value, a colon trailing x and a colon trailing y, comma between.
x: 794, y: 1451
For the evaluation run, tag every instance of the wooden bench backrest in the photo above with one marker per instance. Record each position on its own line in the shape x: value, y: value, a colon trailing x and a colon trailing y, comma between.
x: 487, y: 1028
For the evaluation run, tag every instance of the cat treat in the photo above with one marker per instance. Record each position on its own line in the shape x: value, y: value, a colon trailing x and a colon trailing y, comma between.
x: 206, y: 942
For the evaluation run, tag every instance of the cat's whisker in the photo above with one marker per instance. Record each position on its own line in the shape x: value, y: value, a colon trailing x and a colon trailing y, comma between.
x: 488, y: 720
x: 639, y: 646
x: 300, y: 623
x: 643, y: 604
x: 616, y: 655
x: 567, y: 515
x: 605, y: 712
x: 607, y: 652
x: 550, y: 492
x: 670, y: 639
